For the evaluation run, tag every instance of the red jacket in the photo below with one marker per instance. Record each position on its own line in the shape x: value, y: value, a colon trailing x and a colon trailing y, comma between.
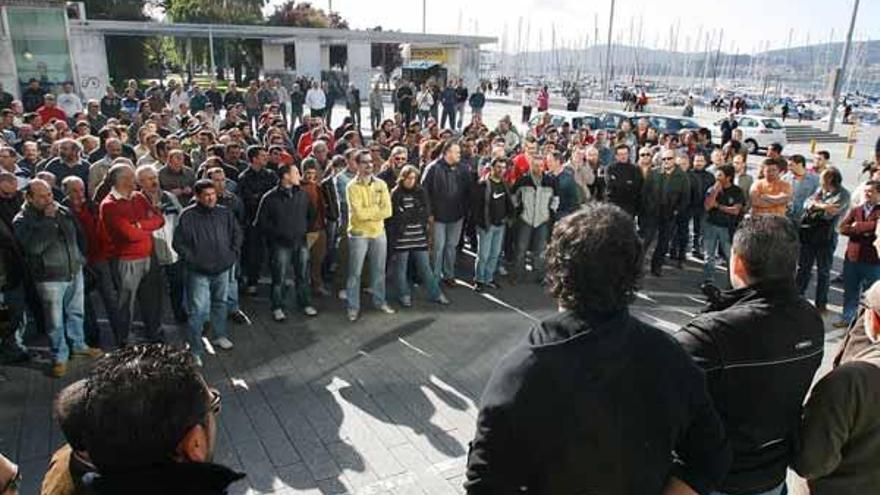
x: 860, y: 230
x: 130, y: 224
x: 46, y: 114
x: 97, y: 241
x: 520, y: 166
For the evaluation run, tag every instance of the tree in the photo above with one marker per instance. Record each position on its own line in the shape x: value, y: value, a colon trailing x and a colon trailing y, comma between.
x: 242, y: 52
x: 303, y: 14
x: 125, y: 54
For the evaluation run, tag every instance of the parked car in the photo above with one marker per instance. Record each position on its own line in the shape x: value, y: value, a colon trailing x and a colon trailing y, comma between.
x: 575, y: 119
x: 758, y: 132
x: 666, y: 124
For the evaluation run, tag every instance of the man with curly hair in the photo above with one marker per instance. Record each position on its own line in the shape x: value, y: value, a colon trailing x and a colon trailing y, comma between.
x: 594, y: 400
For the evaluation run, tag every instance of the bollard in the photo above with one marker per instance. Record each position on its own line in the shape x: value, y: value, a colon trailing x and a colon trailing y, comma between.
x: 813, y: 146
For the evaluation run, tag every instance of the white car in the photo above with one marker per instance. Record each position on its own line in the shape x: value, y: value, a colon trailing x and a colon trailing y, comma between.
x: 758, y: 132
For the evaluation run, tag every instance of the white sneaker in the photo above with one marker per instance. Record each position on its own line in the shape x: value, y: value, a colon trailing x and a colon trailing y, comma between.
x: 385, y: 308
x: 442, y: 299
x: 223, y: 343
x: 310, y: 311
x: 342, y: 295
x: 502, y: 271
x: 352, y: 315
x: 278, y: 315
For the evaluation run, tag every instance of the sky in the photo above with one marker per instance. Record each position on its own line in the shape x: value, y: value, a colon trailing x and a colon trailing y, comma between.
x: 747, y: 24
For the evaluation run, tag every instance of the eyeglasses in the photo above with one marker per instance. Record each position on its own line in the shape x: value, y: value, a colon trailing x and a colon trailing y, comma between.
x: 400, y: 159
x: 668, y: 158
x: 644, y: 154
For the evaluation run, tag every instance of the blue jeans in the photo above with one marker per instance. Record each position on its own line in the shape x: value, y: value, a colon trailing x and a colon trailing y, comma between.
x: 282, y: 258
x: 374, y: 251
x: 206, y: 297
x: 489, y: 242
x: 857, y: 277
x: 63, y: 310
x: 446, y: 236
x: 532, y: 239
x: 401, y: 262
x: 713, y: 238
x: 779, y: 490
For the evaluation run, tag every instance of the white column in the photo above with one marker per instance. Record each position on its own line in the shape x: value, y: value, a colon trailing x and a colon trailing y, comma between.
x: 89, y: 56
x: 308, y: 58
x: 359, y: 66
x: 325, y: 57
x: 273, y: 57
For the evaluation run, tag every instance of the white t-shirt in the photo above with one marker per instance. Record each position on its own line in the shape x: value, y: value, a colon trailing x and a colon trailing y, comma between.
x: 69, y: 103
x: 316, y: 99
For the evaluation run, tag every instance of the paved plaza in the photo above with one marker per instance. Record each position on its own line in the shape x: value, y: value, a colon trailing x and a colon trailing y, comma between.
x: 385, y: 405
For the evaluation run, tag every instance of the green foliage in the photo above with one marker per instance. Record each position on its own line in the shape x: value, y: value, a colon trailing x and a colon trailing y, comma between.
x: 214, y: 11
x: 303, y: 14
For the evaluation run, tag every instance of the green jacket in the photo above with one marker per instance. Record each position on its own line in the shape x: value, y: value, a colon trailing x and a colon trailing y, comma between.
x: 53, y: 247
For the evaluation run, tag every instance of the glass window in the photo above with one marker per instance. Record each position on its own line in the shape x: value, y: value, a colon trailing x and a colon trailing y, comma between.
x: 39, y: 40
x: 771, y: 124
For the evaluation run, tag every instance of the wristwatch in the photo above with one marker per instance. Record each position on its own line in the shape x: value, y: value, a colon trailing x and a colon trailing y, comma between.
x: 13, y: 484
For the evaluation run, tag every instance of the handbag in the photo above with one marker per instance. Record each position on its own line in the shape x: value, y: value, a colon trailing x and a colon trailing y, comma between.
x: 815, y: 229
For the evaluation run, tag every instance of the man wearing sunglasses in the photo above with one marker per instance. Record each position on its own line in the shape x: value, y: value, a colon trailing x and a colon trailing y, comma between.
x: 152, y: 425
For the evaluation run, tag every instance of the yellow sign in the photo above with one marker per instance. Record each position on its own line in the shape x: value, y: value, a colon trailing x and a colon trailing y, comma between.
x: 433, y: 54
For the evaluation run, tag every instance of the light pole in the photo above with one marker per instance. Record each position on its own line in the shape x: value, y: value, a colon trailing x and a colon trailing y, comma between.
x: 424, y: 17
x: 837, y: 81
x: 607, y: 75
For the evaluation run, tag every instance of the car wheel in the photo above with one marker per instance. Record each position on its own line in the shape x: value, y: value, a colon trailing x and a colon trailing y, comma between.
x: 752, y: 146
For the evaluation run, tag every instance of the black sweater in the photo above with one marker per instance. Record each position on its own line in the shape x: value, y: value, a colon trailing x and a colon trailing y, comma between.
x: 284, y: 216
x: 760, y: 346
x: 208, y: 240
x: 581, y: 408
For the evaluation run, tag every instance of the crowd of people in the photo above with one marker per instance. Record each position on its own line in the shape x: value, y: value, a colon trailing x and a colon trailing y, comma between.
x: 108, y: 203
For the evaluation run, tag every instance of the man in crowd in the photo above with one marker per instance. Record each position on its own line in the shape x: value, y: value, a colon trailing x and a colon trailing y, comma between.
x: 152, y: 425
x: 130, y: 220
x: 593, y: 382
x: 283, y: 217
x: 68, y: 162
x: 623, y: 181
x: 492, y: 208
x: 368, y: 206
x: 253, y: 183
x: 838, y: 435
x: 234, y: 204
x: 177, y: 178
x: 770, y: 195
x: 861, y: 265
x: 448, y: 185
x: 49, y: 110
x: 724, y: 203
x: 535, y: 198
x: 10, y: 476
x: 803, y: 184
x: 52, y: 245
x: 208, y: 240
x: 760, y: 339
x: 68, y: 101
x: 666, y: 196
x: 702, y: 182
x: 316, y: 100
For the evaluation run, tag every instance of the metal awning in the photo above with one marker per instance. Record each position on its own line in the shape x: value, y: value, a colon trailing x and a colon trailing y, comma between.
x: 420, y: 65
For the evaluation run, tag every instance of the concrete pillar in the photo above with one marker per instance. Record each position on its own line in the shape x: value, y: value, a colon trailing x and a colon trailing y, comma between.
x: 89, y: 56
x: 325, y: 57
x: 359, y: 65
x: 273, y: 57
x: 308, y: 58
x: 8, y: 74
x: 469, y: 65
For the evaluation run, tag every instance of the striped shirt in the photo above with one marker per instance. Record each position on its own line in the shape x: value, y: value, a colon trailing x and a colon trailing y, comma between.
x: 412, y: 234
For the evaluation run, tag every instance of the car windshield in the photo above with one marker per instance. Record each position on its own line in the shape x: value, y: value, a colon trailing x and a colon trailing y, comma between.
x: 771, y: 124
